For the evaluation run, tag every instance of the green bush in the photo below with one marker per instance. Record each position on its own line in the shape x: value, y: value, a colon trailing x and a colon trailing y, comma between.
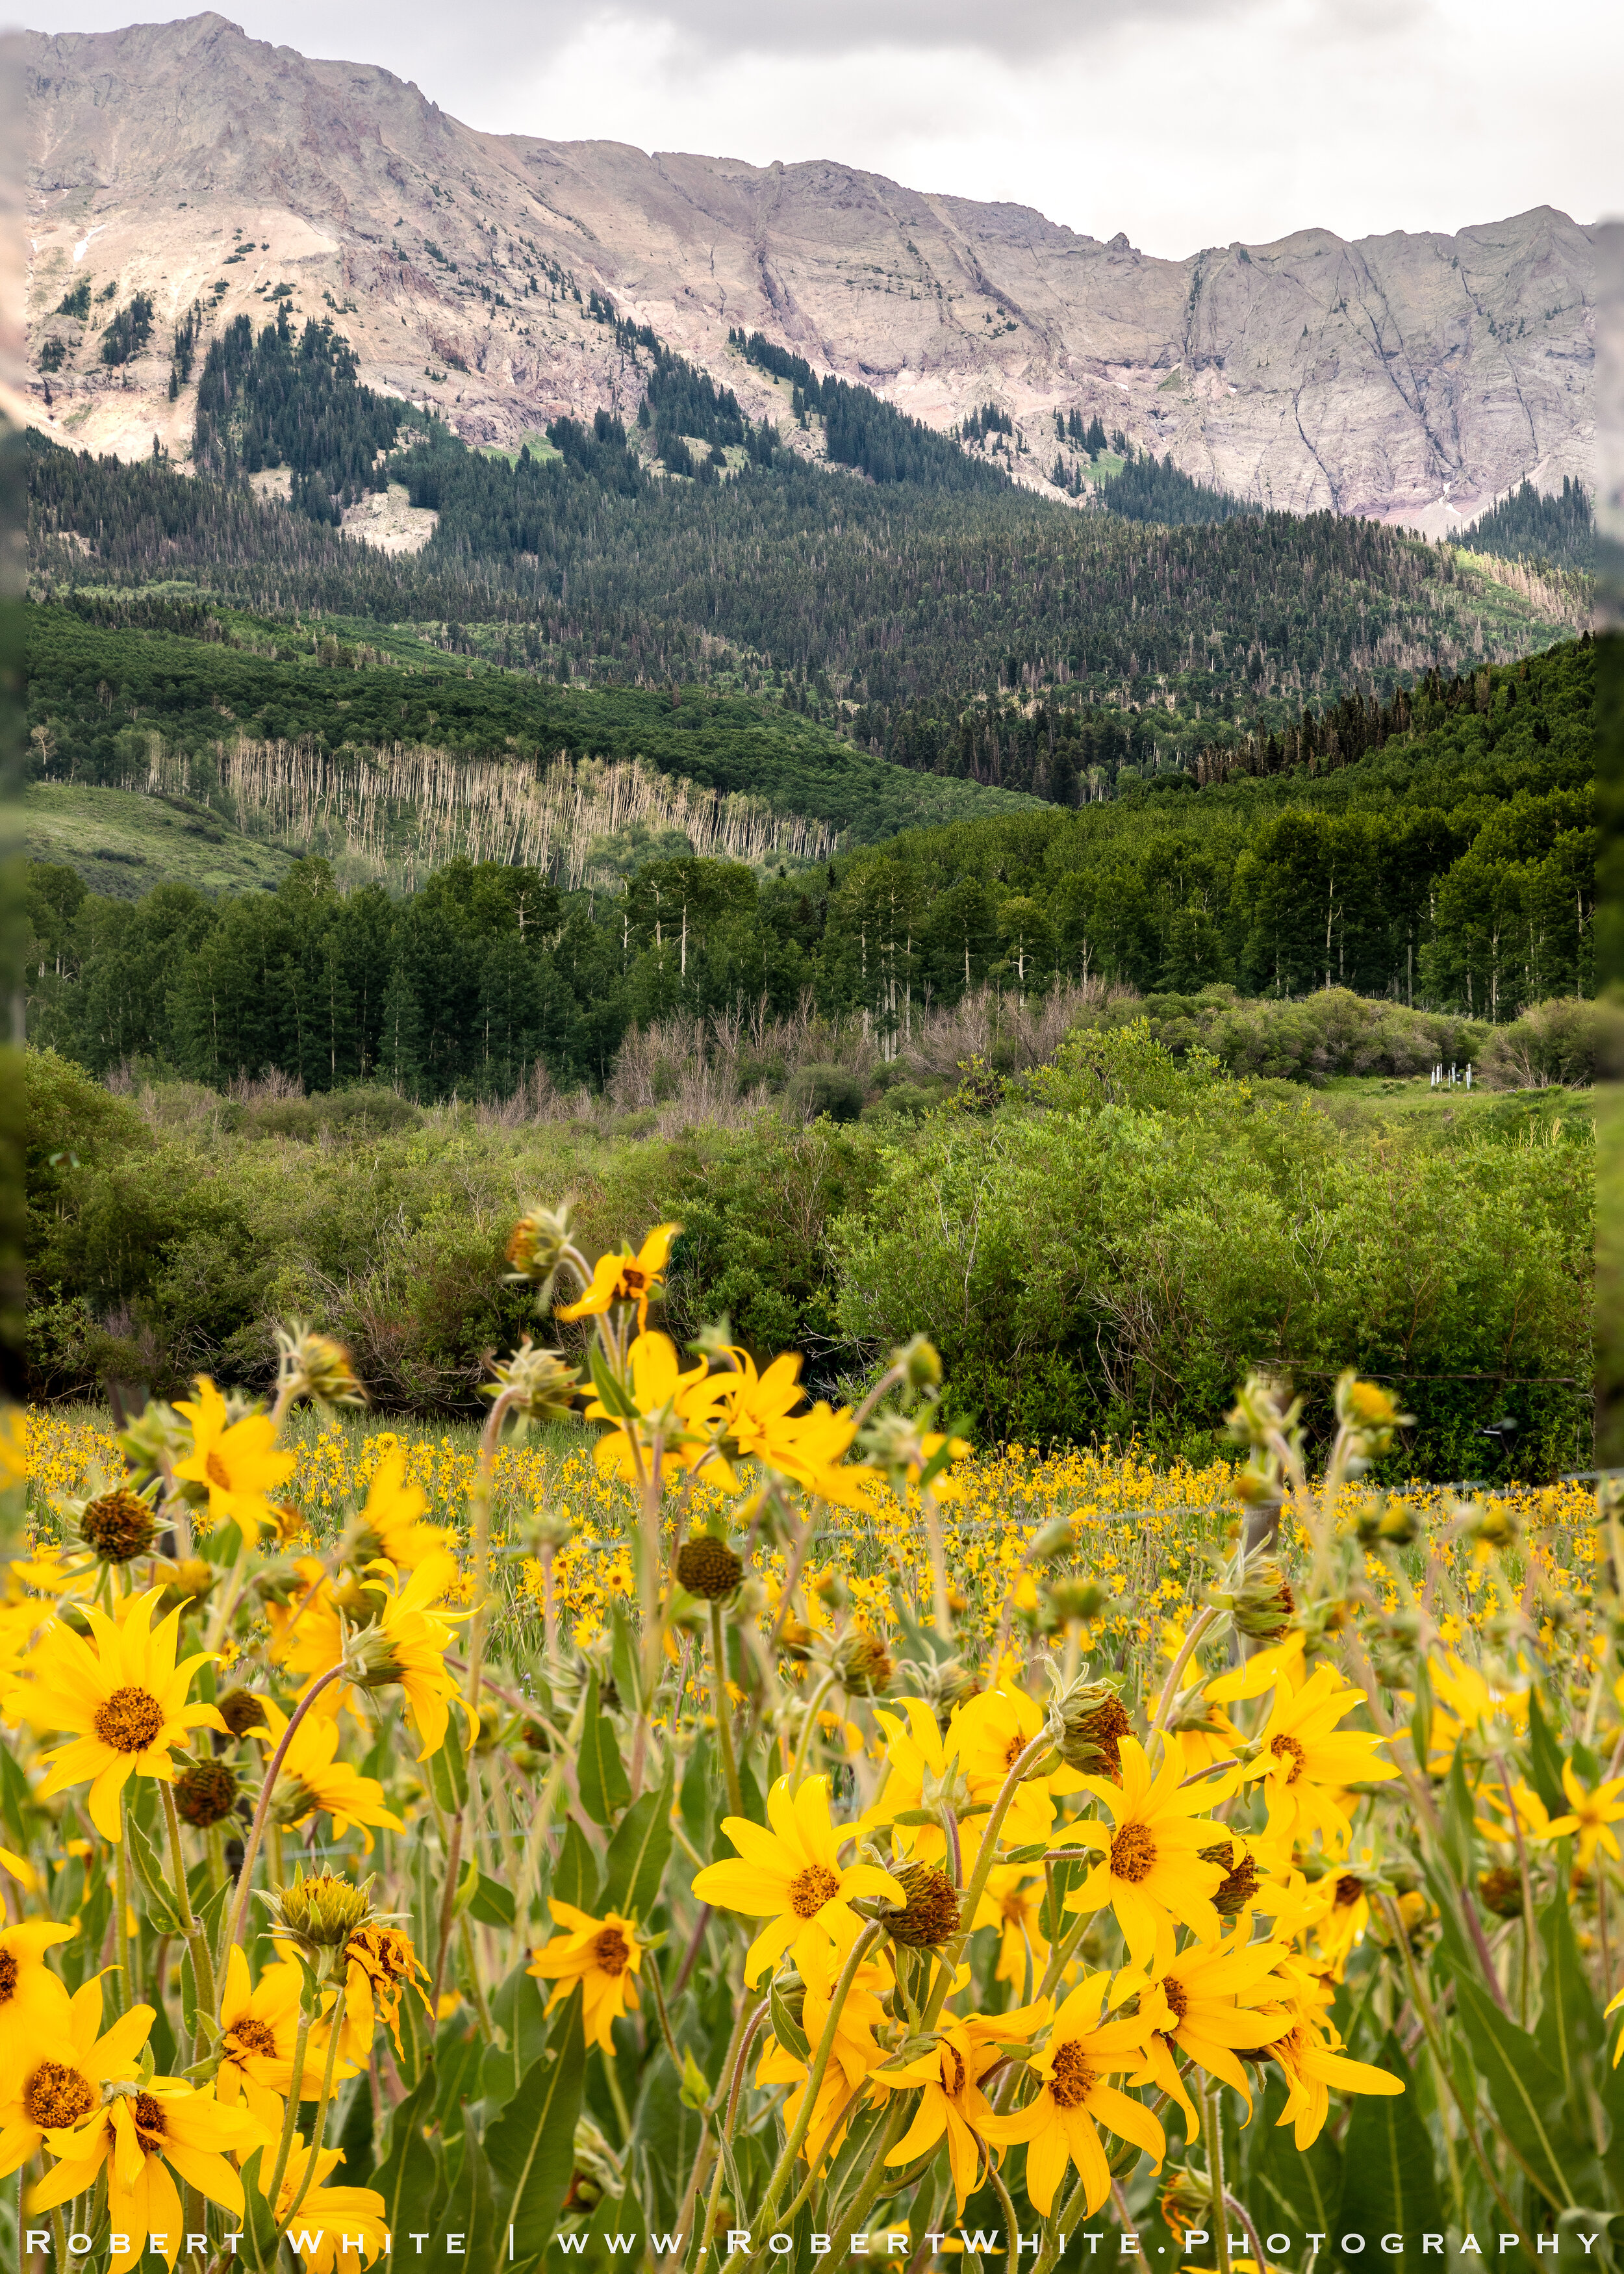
x: 825, y: 1090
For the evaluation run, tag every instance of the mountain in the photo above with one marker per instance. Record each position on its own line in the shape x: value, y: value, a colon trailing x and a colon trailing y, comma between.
x: 1417, y: 378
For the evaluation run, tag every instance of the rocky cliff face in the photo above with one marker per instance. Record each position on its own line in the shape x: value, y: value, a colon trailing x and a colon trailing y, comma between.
x: 1412, y: 377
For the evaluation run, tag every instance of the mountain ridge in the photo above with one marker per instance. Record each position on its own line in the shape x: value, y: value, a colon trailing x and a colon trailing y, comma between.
x: 1416, y: 377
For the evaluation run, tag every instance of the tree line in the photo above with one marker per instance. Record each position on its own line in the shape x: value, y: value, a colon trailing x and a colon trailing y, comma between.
x: 1451, y: 869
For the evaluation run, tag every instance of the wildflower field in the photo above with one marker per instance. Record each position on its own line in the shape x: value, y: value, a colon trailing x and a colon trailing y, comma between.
x: 688, y: 1823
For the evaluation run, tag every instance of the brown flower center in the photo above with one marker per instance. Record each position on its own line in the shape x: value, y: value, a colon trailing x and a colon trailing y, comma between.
x: 812, y: 1889
x: 129, y: 1719
x: 1286, y: 1749
x: 1074, y: 2080
x: 8, y: 1976
x: 1013, y: 1750
x: 55, y: 2095
x: 1177, y: 1999
x: 1349, y: 1891
x: 248, y: 2037
x: 634, y: 1281
x: 217, y: 1472
x: 149, y: 2119
x: 1133, y: 1853
x: 952, y: 2070
x: 610, y: 1951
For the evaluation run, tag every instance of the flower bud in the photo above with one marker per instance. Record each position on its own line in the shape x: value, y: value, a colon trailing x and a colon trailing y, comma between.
x: 1492, y: 1524
x: 864, y: 1664
x: 1090, y: 1724
x: 205, y: 1793
x: 536, y: 1384
x: 191, y: 1580
x: 1501, y: 1889
x: 320, y: 1913
x: 1077, y: 1598
x: 241, y: 1710
x: 795, y: 1641
x: 930, y: 1916
x: 1241, y: 1876
x: 1262, y: 1605
x: 1260, y: 1411
x: 1187, y: 2201
x: 949, y: 1683
x: 1057, y: 1539
x: 919, y: 1363
x: 154, y: 1441
x: 708, y: 1568
x: 314, y: 1366
x: 1369, y: 1414
x: 119, y: 1526
x: 536, y: 1247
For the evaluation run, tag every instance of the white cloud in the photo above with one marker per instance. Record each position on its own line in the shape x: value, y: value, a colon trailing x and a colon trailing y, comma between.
x: 1183, y: 122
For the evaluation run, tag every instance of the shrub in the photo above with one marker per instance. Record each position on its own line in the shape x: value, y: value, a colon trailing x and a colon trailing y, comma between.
x: 833, y: 1090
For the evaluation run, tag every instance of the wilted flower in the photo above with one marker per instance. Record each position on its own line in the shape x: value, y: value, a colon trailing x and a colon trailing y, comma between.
x: 205, y: 1793
x: 1091, y: 1723
x: 320, y: 1913
x: 537, y: 1247
x: 864, y: 1664
x: 535, y: 1383
x: 119, y: 1526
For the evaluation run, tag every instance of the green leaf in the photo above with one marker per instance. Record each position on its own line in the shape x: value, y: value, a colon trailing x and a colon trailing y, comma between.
x: 1389, y: 2185
x: 616, y: 1400
x: 1457, y: 1821
x: 1571, y: 2031
x: 15, y: 1797
x: 161, y: 1906
x: 603, y: 1788
x: 470, y: 2210
x: 1544, y: 1756
x: 448, y: 1770
x: 638, y: 1854
x: 259, y: 2226
x: 408, y: 2175
x: 532, y: 2145
x: 698, y: 1793
x: 666, y: 2133
x: 1295, y: 2189
x: 574, y: 1875
x: 1524, y: 2090
x: 623, y: 1655
x: 491, y: 1901
x: 786, y: 2028
x: 518, y: 2010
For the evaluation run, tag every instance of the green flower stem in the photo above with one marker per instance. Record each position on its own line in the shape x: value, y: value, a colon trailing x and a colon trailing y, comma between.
x: 977, y: 1888
x: 1169, y: 1688
x: 256, y: 1832
x: 197, y: 1941
x: 318, y: 2123
x: 1212, y: 2118
x: 879, y: 2175
x: 290, y: 2113
x: 802, y: 2125
x: 122, y: 1985
x: 1428, y: 2019
x: 1053, y: 2228
x: 723, y: 1715
x: 808, y: 1728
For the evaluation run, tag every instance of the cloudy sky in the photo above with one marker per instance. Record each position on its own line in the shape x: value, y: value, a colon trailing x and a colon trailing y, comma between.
x: 1185, y: 123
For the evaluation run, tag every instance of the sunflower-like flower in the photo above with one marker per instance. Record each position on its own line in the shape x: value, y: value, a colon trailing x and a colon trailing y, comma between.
x: 347, y: 2218
x: 142, y: 2134
x: 854, y: 2053
x: 626, y: 1279
x: 124, y: 1697
x: 31, y: 1995
x: 258, y: 2022
x: 1306, y: 1763
x: 380, y: 1965
x: 603, y: 1955
x: 752, y: 1417
x: 1308, y: 2052
x: 57, y: 2079
x: 390, y: 1527
x: 407, y: 1643
x: 792, y: 1877
x: 1592, y: 1812
x: 238, y: 1461
x: 1151, y: 1870
x: 1061, y: 2125
x: 312, y: 1781
x: 948, y: 2077
x: 655, y: 1387
x: 1191, y: 2004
